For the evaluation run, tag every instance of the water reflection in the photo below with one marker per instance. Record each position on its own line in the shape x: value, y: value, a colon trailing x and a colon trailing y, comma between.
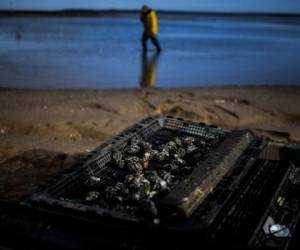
x: 149, y: 69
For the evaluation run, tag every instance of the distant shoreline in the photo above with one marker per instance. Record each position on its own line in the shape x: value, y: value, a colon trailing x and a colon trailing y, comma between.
x: 118, y: 13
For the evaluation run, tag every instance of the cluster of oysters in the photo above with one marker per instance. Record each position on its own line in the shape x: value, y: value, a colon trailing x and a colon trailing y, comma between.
x: 143, y: 172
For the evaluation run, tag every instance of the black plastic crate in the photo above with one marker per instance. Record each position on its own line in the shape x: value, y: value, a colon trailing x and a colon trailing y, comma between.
x: 283, y: 210
x: 67, y: 191
x: 223, y: 201
x: 250, y: 203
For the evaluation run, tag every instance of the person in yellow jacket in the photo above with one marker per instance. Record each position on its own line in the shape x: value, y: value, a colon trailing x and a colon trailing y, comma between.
x: 150, y: 23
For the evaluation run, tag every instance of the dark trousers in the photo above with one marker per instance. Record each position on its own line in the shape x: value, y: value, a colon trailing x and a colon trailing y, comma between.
x: 154, y: 40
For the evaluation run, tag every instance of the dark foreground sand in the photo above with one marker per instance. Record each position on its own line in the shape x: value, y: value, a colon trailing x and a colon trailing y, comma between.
x: 42, y: 132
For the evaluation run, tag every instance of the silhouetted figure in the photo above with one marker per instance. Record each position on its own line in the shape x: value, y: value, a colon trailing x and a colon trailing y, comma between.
x: 19, y: 33
x: 150, y: 22
x: 149, y: 69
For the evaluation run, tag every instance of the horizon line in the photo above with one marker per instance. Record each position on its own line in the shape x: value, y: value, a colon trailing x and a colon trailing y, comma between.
x: 115, y: 10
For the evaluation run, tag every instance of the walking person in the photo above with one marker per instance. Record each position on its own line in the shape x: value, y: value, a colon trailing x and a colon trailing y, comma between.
x: 150, y: 22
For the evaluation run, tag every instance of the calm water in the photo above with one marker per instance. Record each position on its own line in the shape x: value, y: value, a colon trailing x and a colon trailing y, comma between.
x: 105, y: 52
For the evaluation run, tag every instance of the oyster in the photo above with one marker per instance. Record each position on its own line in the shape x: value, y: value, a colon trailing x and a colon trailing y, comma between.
x: 93, y: 180
x: 146, y: 146
x: 166, y: 176
x: 171, y: 166
x: 133, y: 149
x: 180, y: 152
x: 157, y: 182
x: 153, y: 154
x: 91, y: 196
x: 178, y: 142
x: 189, y: 140
x: 117, y: 158
x: 179, y: 161
x: 140, y: 183
x: 129, y: 178
x: 133, y: 164
x: 191, y: 148
x: 146, y: 159
x: 111, y: 192
x: 161, y: 156
x: 171, y: 146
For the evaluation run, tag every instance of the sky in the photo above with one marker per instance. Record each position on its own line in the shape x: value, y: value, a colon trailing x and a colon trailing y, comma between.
x: 278, y: 6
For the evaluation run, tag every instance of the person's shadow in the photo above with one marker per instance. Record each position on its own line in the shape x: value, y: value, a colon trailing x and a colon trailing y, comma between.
x: 149, y: 69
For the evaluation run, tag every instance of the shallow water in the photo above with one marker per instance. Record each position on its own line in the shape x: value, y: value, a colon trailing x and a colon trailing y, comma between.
x: 105, y: 53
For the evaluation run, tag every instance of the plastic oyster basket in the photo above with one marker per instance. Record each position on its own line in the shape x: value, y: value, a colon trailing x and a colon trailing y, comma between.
x: 234, y: 184
x: 282, y: 211
x: 67, y: 191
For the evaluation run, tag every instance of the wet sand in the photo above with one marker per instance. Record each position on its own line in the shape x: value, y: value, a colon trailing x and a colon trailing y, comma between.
x: 43, y: 132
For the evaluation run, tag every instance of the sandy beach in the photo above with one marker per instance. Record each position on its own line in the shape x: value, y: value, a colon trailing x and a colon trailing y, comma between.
x: 44, y: 131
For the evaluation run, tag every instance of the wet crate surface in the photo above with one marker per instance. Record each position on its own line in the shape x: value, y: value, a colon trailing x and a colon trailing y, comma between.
x: 253, y: 201
x: 98, y: 184
x: 284, y: 209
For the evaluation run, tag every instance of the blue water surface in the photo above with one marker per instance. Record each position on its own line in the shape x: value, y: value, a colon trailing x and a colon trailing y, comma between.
x: 106, y: 53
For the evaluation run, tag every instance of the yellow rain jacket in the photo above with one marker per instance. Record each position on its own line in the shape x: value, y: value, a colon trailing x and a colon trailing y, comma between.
x: 151, y: 23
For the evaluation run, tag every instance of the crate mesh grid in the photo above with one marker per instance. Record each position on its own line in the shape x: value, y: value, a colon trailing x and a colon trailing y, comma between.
x: 95, y: 163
